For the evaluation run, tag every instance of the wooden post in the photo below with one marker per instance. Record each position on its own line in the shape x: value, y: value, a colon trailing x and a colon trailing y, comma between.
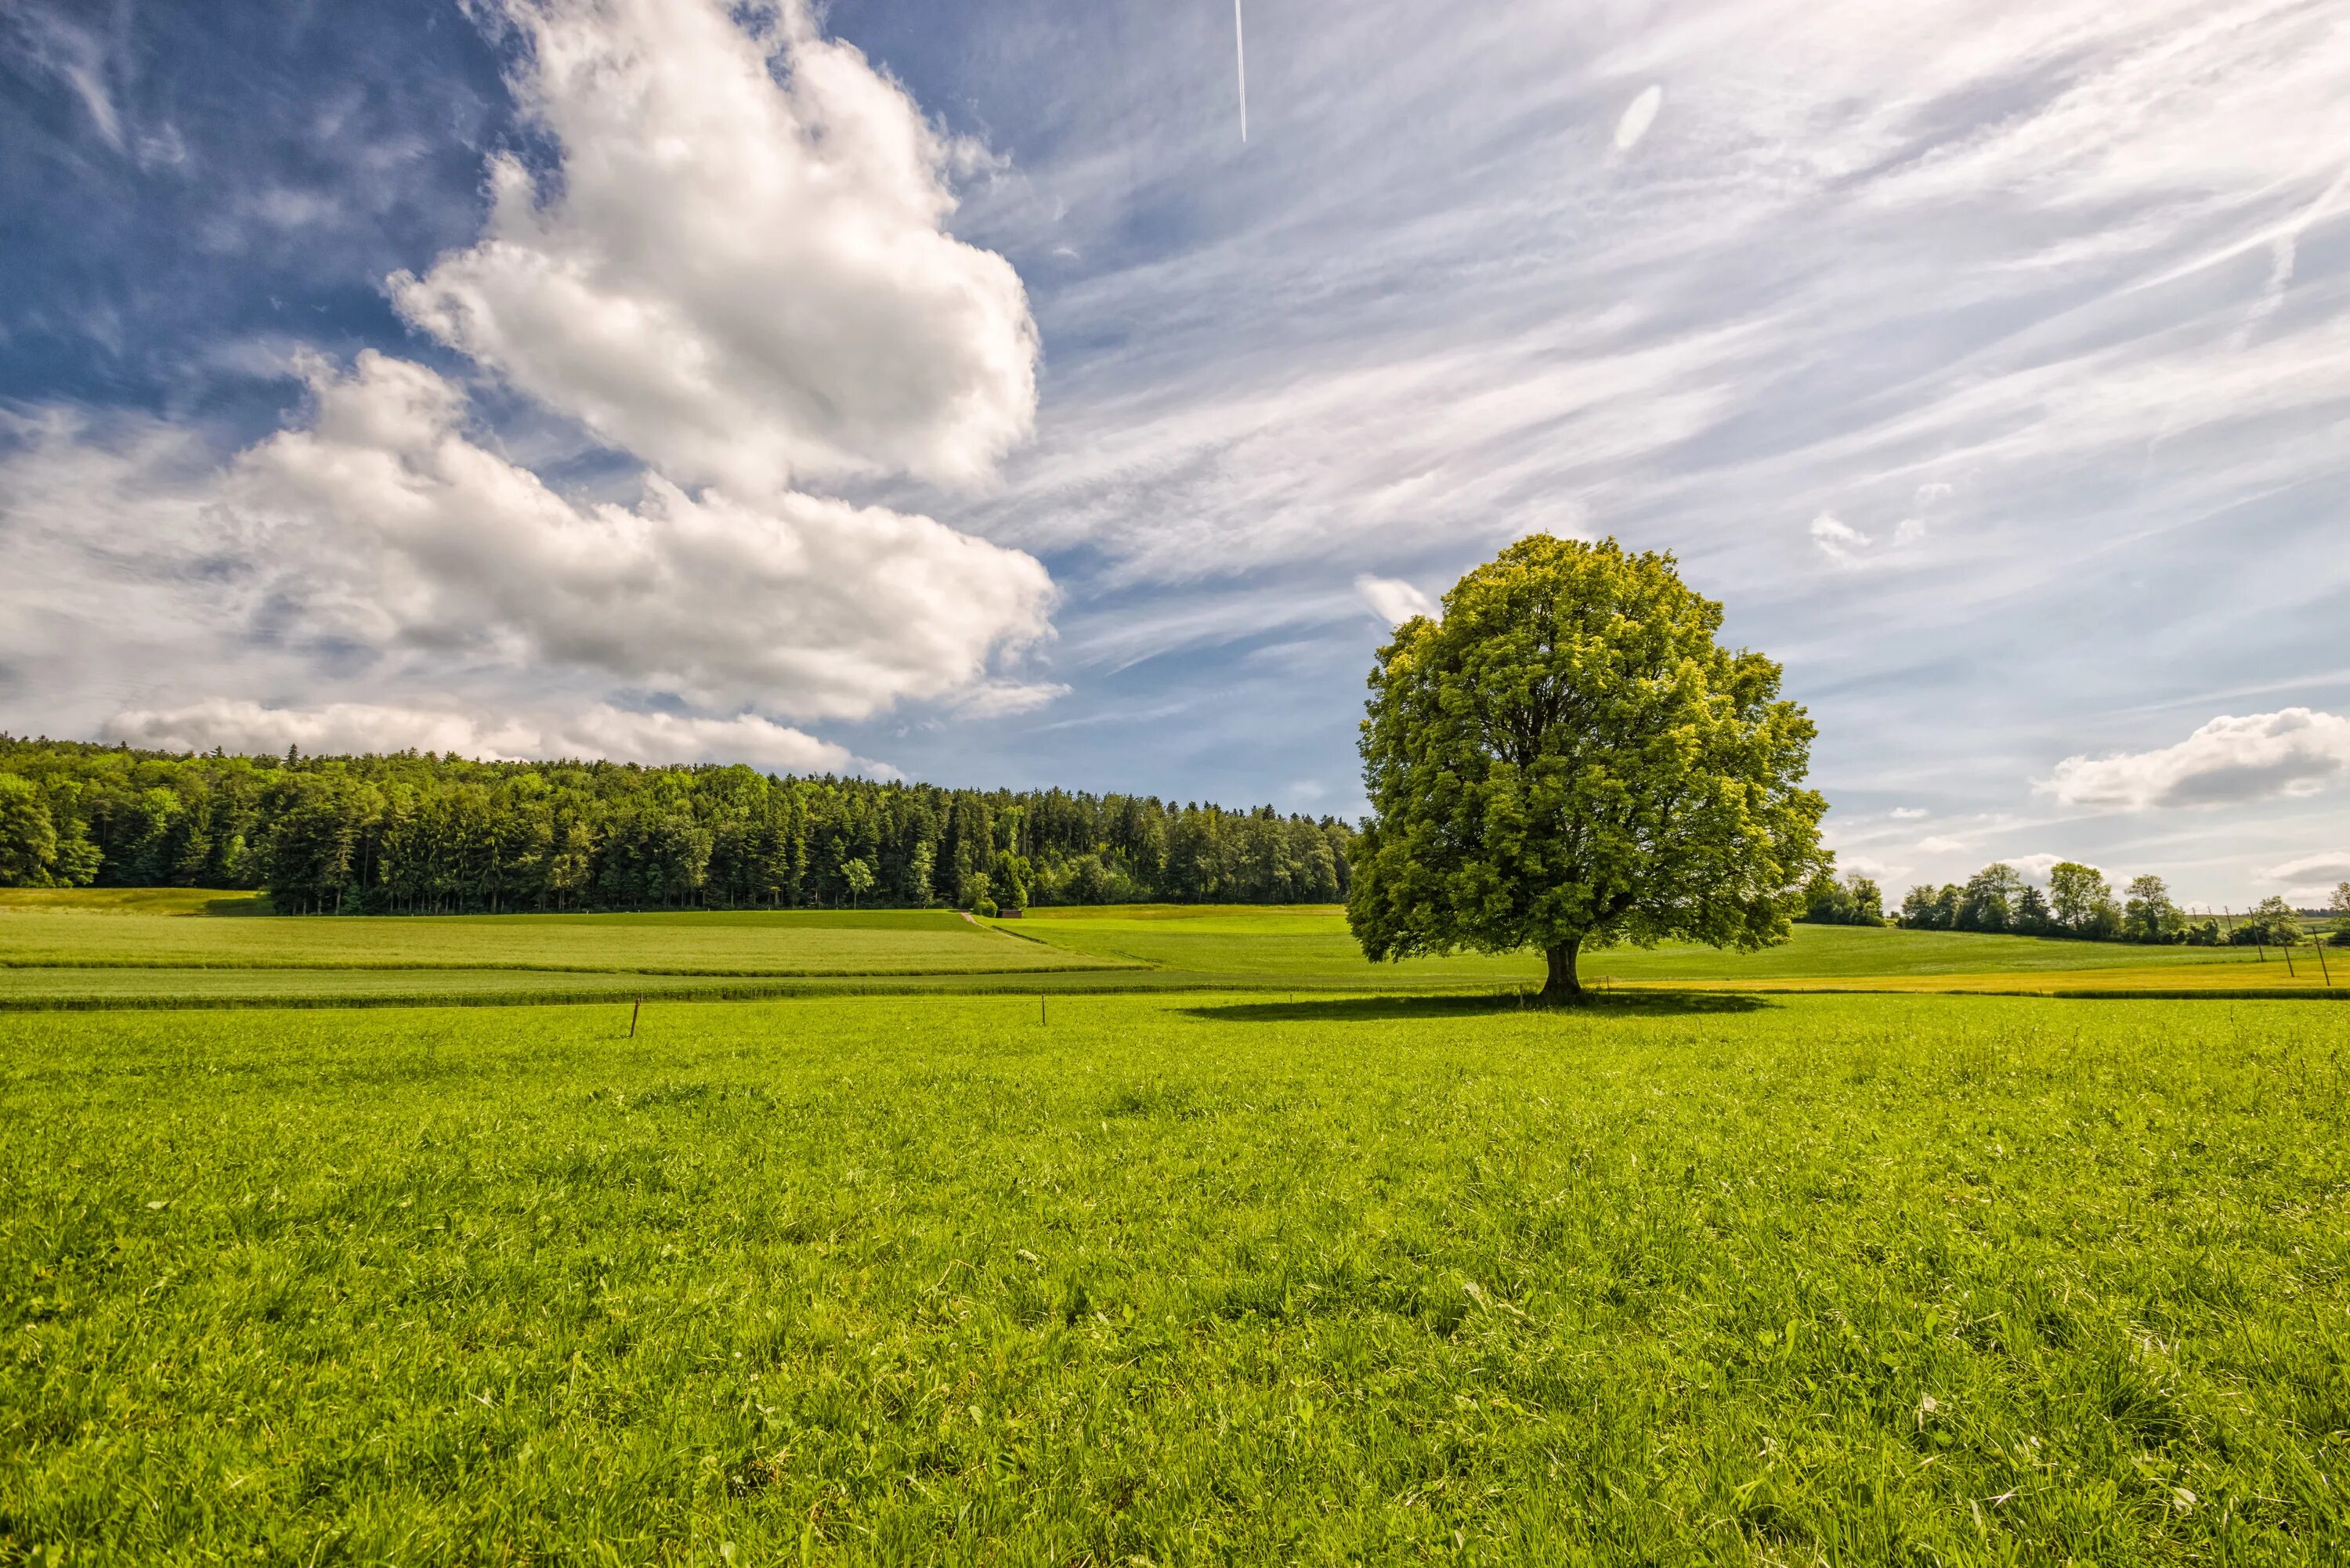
x: 1040, y: 1007
x: 639, y: 1007
x: 2258, y: 945
x: 2323, y: 967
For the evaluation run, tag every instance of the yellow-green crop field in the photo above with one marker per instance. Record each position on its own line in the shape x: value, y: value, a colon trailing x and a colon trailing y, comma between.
x: 1223, y: 1247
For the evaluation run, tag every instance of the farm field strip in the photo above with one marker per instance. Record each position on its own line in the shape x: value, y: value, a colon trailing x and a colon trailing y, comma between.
x: 2184, y: 980
x: 43, y: 989
x: 1220, y: 940
x: 714, y: 943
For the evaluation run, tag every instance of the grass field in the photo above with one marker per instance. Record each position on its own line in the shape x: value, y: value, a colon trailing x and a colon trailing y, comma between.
x: 1313, y: 944
x: 907, y: 941
x: 1178, y: 1277
x: 171, y: 947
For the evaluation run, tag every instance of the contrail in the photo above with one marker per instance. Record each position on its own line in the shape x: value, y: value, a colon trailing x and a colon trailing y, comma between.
x: 1240, y: 58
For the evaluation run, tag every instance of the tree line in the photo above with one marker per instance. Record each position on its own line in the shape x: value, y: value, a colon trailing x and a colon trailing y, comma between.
x: 2080, y: 903
x: 415, y: 833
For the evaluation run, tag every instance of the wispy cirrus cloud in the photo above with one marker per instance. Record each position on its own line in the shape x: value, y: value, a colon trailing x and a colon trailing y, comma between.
x: 1394, y: 600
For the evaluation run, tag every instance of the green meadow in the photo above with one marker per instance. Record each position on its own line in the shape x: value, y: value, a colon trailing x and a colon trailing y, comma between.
x: 1151, y: 1235
x: 1178, y: 1277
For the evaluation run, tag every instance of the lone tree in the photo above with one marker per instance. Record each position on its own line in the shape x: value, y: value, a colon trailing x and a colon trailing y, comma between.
x: 1568, y: 759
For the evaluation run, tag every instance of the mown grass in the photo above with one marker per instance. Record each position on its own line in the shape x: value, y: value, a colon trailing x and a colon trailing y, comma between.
x: 909, y: 942
x: 1671, y: 1279
x: 160, y: 901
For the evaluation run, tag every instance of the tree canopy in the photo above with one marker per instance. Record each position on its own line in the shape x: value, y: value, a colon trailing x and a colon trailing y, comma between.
x: 1570, y: 759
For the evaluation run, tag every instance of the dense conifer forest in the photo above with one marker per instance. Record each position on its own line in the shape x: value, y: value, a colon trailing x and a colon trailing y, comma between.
x: 411, y: 832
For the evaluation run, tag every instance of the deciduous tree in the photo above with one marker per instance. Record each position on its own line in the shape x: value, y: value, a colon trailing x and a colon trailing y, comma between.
x: 2081, y: 901
x: 29, y: 835
x: 1570, y: 759
x: 2147, y: 913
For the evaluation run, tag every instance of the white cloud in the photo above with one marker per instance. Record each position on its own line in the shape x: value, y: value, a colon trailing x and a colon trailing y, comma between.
x: 598, y: 732
x: 1394, y: 600
x: 1000, y: 698
x: 1940, y: 844
x: 1847, y: 546
x: 1908, y: 813
x: 2229, y: 760
x: 75, y: 55
x: 1839, y: 540
x: 2035, y: 868
x: 118, y: 566
x: 739, y: 273
x: 1930, y: 492
x: 2284, y: 251
x: 2330, y: 866
x: 1639, y: 116
x: 1870, y: 867
x: 390, y: 525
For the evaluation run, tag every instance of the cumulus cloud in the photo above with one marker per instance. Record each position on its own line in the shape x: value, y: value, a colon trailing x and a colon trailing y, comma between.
x: 117, y: 562
x: 739, y: 273
x: 1907, y: 812
x: 1639, y: 117
x: 600, y: 730
x: 391, y: 524
x: 1394, y: 600
x: 2229, y: 760
x: 1940, y: 844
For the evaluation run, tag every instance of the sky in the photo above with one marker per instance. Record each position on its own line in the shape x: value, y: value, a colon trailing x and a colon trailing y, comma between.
x: 947, y: 390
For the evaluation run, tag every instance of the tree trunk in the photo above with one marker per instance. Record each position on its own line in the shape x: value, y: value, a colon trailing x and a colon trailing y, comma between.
x: 1562, y: 988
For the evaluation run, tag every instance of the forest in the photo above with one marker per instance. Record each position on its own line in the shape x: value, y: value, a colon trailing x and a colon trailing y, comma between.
x: 415, y: 833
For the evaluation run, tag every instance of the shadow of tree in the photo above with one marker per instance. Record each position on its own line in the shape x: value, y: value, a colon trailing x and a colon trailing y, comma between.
x: 1391, y: 1009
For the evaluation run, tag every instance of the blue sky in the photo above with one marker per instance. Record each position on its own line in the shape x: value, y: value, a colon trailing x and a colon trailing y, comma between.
x: 947, y: 389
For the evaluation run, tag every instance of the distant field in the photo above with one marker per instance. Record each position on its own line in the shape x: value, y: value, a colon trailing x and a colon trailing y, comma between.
x: 1312, y: 946
x: 1204, y: 1277
x: 702, y: 942
x: 131, y: 902
x: 165, y: 947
